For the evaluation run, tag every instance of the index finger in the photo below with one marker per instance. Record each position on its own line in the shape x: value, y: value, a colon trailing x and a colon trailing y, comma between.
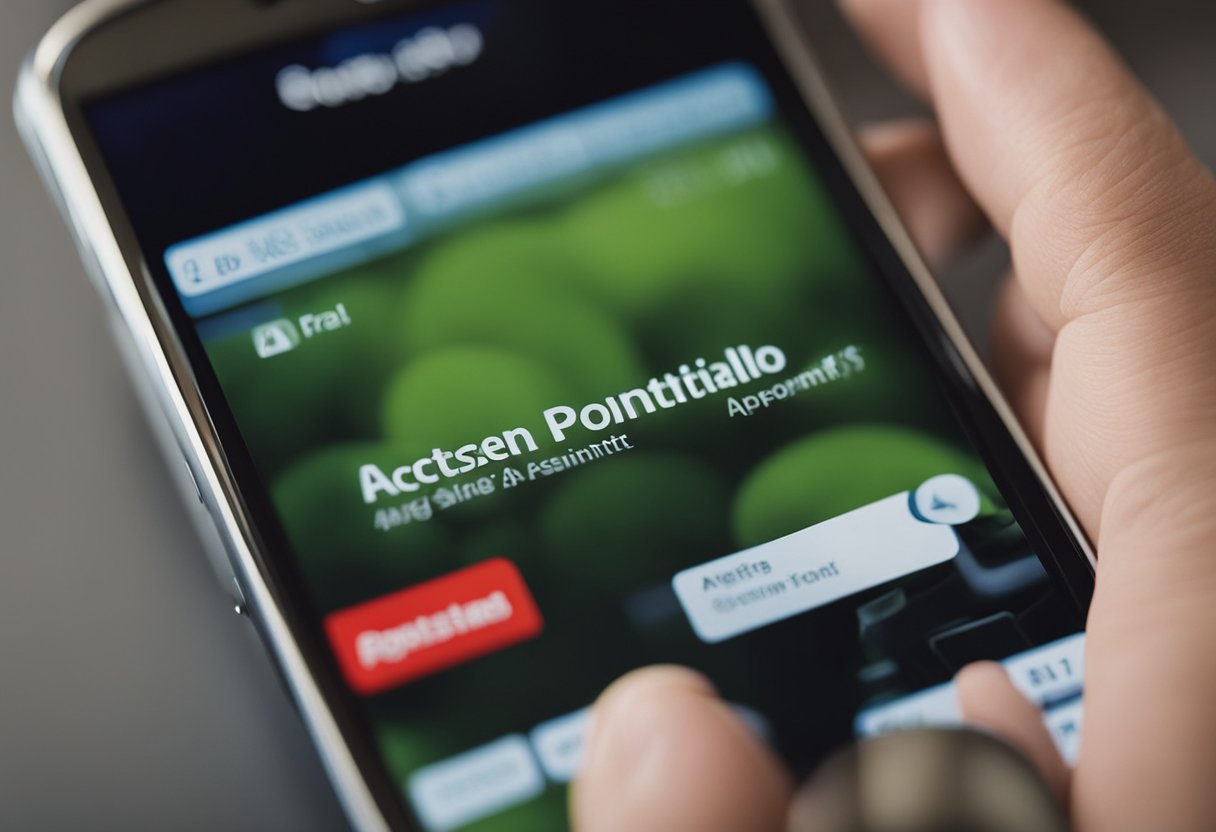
x: 1111, y: 219
x: 1112, y: 223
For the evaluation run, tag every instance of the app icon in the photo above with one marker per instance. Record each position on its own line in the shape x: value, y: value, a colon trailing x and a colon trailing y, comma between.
x: 949, y: 500
x: 275, y: 338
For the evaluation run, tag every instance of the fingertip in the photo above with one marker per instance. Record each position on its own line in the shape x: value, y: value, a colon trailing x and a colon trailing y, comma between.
x: 980, y: 678
x: 623, y: 711
x: 990, y: 702
x: 641, y: 683
x: 665, y: 754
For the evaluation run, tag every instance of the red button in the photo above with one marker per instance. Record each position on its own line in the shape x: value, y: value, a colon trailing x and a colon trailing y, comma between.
x: 435, y: 625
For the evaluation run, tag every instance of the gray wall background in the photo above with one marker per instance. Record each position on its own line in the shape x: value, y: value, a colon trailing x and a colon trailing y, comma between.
x: 131, y: 697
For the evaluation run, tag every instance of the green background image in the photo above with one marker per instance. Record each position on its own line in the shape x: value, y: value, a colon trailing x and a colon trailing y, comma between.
x: 573, y: 295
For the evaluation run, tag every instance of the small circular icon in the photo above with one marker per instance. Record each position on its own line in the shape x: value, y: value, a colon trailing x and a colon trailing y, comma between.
x: 949, y: 500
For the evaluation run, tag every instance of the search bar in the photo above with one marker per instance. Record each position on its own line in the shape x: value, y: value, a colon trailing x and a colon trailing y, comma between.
x: 346, y: 223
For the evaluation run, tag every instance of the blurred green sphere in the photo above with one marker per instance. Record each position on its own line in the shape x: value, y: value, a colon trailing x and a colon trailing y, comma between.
x: 506, y: 288
x: 621, y: 517
x: 459, y: 395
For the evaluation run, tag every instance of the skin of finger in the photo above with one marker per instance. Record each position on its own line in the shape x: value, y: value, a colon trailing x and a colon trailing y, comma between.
x: 1022, y: 346
x: 990, y: 702
x: 1149, y: 740
x: 1059, y: 143
x: 885, y: 27
x: 1109, y: 215
x: 1120, y: 217
x: 666, y: 754
x: 1110, y: 405
x: 1112, y: 224
x: 911, y: 162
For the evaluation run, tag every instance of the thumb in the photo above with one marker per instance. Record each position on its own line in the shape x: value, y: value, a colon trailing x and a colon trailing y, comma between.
x: 1149, y: 679
x: 665, y: 754
x: 990, y: 702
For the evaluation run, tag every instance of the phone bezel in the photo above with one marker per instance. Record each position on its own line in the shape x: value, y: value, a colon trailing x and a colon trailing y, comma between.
x: 94, y: 48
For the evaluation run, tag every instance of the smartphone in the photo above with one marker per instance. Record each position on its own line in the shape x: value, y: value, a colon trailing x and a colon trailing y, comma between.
x: 512, y: 345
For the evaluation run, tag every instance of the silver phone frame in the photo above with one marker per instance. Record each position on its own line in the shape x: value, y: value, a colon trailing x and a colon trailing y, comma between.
x: 157, y: 362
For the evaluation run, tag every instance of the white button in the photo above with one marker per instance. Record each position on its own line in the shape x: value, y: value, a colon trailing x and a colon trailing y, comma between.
x: 559, y: 745
x: 1051, y: 672
x: 949, y: 499
x: 1045, y: 675
x: 340, y: 220
x: 476, y: 784
x: 848, y: 554
x: 1064, y: 725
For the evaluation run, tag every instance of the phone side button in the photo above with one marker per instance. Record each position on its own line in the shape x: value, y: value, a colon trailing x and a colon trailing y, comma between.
x: 198, y: 491
x: 240, y: 605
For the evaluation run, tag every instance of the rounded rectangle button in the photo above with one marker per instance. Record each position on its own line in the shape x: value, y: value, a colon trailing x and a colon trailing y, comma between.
x: 387, y: 642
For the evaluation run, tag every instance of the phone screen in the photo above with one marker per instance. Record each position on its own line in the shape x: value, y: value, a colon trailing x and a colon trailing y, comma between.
x: 548, y: 343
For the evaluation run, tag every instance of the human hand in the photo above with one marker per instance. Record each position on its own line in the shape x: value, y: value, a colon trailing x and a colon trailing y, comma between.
x: 1104, y: 343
